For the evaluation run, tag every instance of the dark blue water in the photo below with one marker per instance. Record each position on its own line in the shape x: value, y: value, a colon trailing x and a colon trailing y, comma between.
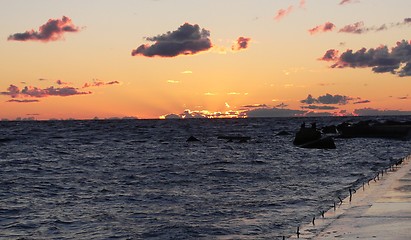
x: 140, y: 179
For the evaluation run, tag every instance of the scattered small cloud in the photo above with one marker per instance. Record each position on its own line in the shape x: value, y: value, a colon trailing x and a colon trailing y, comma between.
x: 173, y: 81
x: 99, y: 83
x: 241, y: 43
x: 188, y: 39
x: 326, y: 27
x: 362, y: 102
x: 233, y: 93
x: 357, y: 27
x: 187, y: 72
x: 281, y: 13
x: 53, y: 30
x: 60, y: 82
x: 381, y: 59
x: 360, y: 28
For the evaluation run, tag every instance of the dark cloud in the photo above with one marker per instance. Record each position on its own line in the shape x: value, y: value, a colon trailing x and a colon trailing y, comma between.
x: 242, y: 43
x: 14, y: 92
x: 316, y: 107
x: 23, y: 100
x: 318, y: 114
x: 362, y: 102
x: 186, y: 40
x: 379, y: 112
x: 273, y: 112
x: 359, y: 27
x: 281, y: 105
x: 381, y: 60
x: 327, y: 99
x: 99, y: 83
x: 60, y: 82
x: 53, y: 30
x: 309, y: 100
x: 256, y: 106
x: 326, y: 27
x: 334, y: 99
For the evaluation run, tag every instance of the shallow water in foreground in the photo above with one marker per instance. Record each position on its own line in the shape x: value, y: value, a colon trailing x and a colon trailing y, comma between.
x: 140, y: 179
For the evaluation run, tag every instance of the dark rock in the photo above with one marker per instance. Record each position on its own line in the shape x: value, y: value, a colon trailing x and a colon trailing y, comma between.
x: 283, y: 133
x: 192, y: 139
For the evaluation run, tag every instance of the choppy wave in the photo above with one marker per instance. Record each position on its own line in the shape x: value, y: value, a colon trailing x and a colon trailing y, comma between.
x: 140, y: 179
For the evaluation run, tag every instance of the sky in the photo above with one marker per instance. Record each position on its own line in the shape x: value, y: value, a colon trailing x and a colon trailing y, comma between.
x: 153, y: 59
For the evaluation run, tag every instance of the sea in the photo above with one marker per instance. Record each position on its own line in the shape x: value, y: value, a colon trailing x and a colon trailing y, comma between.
x: 141, y: 179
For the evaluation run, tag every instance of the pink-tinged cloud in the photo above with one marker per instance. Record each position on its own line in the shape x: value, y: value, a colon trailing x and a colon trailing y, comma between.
x: 242, y: 43
x: 330, y: 55
x: 53, y: 30
x: 357, y: 28
x: 188, y: 39
x: 326, y: 27
x: 283, y: 12
x: 396, y: 60
x: 99, y: 83
x: 60, y: 82
x: 29, y: 91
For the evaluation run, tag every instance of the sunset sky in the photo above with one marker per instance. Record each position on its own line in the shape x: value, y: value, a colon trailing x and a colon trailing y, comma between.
x: 190, y: 58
